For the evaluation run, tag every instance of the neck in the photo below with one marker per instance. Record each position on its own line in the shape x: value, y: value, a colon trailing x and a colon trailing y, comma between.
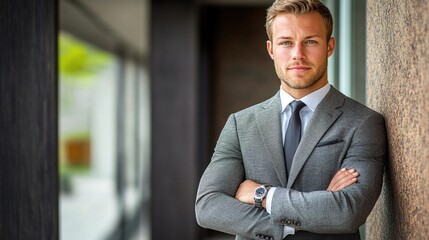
x: 299, y: 93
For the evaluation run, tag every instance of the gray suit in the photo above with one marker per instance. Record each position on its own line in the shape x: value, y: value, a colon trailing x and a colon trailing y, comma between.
x: 341, y: 133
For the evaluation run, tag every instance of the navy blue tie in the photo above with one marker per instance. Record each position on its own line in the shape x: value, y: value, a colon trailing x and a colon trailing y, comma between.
x: 293, y: 134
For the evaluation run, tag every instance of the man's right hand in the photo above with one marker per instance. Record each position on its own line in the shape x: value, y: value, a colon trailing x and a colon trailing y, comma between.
x: 342, y: 179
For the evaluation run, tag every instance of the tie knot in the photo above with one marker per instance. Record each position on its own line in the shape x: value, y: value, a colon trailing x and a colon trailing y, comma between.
x: 297, y: 106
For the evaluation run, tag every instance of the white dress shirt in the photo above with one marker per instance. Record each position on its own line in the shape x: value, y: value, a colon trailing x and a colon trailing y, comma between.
x: 311, y: 101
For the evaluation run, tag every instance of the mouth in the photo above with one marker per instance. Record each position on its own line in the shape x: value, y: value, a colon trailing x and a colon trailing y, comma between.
x: 298, y: 68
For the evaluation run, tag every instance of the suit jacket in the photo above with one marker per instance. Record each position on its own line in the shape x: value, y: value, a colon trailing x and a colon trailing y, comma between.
x: 341, y: 133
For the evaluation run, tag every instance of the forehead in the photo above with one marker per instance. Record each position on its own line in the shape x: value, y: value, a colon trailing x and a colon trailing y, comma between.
x: 289, y: 25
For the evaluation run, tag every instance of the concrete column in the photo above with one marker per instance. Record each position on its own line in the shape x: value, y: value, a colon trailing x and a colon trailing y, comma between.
x: 398, y: 87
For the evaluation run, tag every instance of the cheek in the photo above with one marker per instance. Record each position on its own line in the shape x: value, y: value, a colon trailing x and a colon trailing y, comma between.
x: 281, y: 56
x: 318, y: 55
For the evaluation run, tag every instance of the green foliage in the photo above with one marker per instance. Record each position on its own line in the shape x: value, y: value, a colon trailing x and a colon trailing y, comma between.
x: 78, y: 61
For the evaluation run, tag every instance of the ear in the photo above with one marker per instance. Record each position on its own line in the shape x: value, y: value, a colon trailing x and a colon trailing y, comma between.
x: 331, y: 46
x: 270, y: 49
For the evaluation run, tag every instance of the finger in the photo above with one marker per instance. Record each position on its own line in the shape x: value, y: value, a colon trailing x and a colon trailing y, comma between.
x: 335, y: 178
x: 341, y: 177
x: 345, y: 182
x: 339, y: 174
x: 344, y: 179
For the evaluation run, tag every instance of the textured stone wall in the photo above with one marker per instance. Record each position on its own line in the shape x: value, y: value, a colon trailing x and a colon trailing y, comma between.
x: 398, y: 87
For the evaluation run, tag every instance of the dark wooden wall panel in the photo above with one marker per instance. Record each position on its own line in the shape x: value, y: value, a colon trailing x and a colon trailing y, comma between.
x: 174, y: 119
x: 28, y: 120
x: 241, y: 71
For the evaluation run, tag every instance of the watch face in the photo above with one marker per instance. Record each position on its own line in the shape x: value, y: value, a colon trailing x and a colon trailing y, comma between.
x: 260, y: 191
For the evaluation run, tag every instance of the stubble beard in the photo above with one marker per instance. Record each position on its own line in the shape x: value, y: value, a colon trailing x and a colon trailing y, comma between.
x: 300, y: 82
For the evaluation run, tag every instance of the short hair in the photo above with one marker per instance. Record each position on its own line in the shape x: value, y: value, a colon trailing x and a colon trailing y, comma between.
x: 298, y: 7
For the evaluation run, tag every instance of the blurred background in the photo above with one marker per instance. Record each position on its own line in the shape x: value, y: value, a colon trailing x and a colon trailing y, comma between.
x: 110, y: 109
x: 104, y: 119
x: 145, y: 88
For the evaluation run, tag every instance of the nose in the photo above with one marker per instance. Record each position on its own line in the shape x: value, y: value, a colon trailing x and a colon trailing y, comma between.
x: 298, y: 52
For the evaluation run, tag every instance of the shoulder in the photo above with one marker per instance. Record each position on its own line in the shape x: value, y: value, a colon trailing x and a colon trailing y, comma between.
x: 347, y: 104
x: 360, y: 110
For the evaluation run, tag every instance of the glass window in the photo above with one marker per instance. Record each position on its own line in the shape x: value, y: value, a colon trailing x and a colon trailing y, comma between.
x: 88, y: 78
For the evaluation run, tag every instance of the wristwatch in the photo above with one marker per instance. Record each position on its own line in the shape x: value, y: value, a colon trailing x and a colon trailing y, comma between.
x: 260, y: 194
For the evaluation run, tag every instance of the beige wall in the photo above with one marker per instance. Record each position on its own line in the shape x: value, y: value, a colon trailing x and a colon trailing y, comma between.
x: 398, y: 87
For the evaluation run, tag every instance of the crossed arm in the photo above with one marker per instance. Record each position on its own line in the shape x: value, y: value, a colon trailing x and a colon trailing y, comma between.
x: 342, y: 179
x: 222, y: 195
x: 228, y: 213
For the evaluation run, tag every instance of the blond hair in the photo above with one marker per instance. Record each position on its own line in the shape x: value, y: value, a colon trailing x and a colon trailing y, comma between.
x: 298, y: 7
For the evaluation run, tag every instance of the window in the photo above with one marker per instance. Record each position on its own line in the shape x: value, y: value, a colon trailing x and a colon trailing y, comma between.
x: 103, y: 141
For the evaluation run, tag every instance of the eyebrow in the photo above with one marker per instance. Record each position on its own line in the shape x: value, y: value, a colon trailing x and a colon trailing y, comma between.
x: 313, y: 36
x: 308, y: 37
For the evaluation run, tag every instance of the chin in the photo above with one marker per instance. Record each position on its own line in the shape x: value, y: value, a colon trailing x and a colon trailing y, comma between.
x: 302, y: 85
x: 299, y: 85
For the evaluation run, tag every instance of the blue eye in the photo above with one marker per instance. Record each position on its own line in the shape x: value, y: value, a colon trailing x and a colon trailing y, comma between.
x: 286, y: 43
x: 311, y: 42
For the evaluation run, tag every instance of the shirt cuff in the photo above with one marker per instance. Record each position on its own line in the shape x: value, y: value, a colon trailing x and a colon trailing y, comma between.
x: 286, y: 229
x: 269, y: 199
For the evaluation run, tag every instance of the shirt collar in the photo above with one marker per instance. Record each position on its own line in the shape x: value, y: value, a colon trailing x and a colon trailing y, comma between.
x: 312, y: 100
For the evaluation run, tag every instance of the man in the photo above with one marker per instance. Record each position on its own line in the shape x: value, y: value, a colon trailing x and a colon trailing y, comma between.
x: 260, y: 183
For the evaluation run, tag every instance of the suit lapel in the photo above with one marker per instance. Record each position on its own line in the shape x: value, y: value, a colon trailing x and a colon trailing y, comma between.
x: 324, y: 116
x: 268, y: 121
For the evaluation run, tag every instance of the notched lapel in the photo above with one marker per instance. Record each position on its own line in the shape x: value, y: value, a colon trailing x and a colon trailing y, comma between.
x: 268, y: 121
x: 324, y: 116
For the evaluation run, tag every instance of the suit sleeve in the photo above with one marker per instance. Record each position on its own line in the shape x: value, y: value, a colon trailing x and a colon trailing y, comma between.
x: 216, y: 208
x: 346, y: 210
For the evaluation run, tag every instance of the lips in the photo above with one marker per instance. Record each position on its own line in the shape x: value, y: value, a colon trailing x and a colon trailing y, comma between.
x: 298, y: 68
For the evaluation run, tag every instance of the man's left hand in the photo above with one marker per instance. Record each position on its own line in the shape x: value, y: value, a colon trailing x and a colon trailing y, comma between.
x: 245, y: 192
